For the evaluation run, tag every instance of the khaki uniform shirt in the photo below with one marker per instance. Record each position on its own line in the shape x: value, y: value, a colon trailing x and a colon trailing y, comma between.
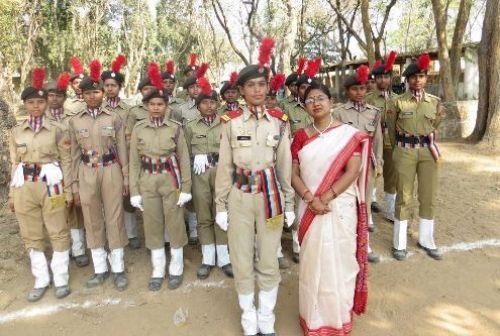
x: 186, y: 112
x: 155, y: 142
x: 406, y: 115
x: 367, y: 120
x: 298, y: 116
x: 377, y: 99
x: 203, y: 139
x: 254, y: 145
x: 74, y: 104
x: 51, y: 144
x: 102, y: 134
x: 123, y: 110
x: 287, y: 100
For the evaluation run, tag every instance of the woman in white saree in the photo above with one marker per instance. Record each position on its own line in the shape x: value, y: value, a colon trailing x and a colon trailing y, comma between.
x: 330, y: 161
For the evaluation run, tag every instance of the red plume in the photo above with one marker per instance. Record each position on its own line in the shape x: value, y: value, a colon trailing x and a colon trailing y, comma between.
x: 363, y: 72
x: 170, y: 67
x: 63, y: 81
x: 377, y: 64
x: 301, y: 65
x: 37, y: 77
x: 233, y: 78
x: 202, y: 70
x: 313, y: 67
x: 204, y: 84
x: 155, y: 76
x: 76, y: 65
x: 95, y: 70
x: 390, y: 61
x: 423, y: 62
x: 117, y: 64
x: 192, y: 60
x: 277, y: 82
x: 266, y: 48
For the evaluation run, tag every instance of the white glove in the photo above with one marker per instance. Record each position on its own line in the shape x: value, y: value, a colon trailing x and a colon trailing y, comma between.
x: 221, y: 220
x: 52, y: 173
x: 289, y: 218
x: 136, y: 202
x: 17, y: 180
x: 200, y: 163
x: 184, y: 198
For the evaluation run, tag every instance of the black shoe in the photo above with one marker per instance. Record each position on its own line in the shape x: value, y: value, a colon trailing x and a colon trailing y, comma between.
x: 36, y: 294
x: 373, y: 258
x: 97, y: 279
x: 375, y: 207
x: 154, y: 284
x: 174, y: 281
x: 228, y: 270
x: 433, y: 253
x: 287, y: 228
x: 193, y: 241
x: 134, y: 243
x: 82, y: 260
x: 399, y: 254
x: 120, y: 281
x: 371, y: 228
x: 296, y: 257
x: 204, y: 271
x: 272, y: 334
x: 62, y: 291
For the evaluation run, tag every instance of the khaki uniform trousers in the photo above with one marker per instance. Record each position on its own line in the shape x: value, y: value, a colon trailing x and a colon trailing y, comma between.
x: 102, y: 205
x: 35, y: 212
x: 411, y: 162
x: 161, y: 212
x: 203, y: 190
x: 390, y: 174
x: 75, y: 217
x: 248, y: 232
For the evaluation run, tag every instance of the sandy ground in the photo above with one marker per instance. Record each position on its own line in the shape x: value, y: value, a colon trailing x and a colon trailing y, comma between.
x: 457, y: 296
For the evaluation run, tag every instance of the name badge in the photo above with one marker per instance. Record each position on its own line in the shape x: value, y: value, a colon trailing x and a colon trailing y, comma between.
x: 243, y: 137
x: 201, y: 136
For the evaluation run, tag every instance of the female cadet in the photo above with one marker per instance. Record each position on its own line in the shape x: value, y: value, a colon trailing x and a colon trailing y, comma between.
x: 39, y: 148
x: 160, y: 182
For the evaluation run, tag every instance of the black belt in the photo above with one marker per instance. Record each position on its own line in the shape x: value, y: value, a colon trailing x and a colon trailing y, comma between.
x: 413, y: 139
x: 106, y: 158
x: 31, y: 169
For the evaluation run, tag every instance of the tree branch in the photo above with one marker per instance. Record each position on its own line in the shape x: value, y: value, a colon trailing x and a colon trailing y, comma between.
x: 361, y: 43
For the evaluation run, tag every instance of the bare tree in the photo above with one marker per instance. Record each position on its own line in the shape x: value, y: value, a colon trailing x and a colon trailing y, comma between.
x: 487, y: 126
x: 457, y: 42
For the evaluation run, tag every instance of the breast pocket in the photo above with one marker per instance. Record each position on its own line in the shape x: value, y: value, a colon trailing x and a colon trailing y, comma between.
x: 241, y: 140
x: 272, y: 140
x: 21, y: 149
x: 166, y: 144
x: 409, y: 114
x: 430, y: 113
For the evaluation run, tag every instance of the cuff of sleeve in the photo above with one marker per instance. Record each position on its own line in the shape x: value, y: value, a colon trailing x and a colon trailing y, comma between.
x: 220, y: 208
x: 69, y: 197
x: 75, y: 188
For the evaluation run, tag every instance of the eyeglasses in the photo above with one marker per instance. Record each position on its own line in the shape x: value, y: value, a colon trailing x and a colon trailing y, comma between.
x: 319, y: 99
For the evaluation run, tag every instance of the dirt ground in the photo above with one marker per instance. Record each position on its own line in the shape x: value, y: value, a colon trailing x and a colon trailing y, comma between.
x: 457, y: 296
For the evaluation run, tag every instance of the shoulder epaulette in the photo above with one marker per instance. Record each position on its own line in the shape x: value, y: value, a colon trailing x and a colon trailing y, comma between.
x: 278, y: 114
x: 230, y: 115
x: 433, y: 96
x: 372, y: 107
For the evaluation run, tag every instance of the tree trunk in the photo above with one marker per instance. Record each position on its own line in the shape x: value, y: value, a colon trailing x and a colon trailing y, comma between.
x: 451, y: 127
x: 367, y: 28
x: 487, y: 126
x: 457, y: 42
x: 288, y: 39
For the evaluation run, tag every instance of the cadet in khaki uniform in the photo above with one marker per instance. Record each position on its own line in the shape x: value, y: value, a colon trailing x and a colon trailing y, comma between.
x: 160, y: 183
x: 275, y: 85
x: 169, y: 81
x: 188, y: 111
x: 113, y: 80
x: 100, y: 171
x: 291, y: 84
x: 366, y: 118
x: 189, y: 71
x: 39, y: 148
x: 75, y: 102
x: 230, y: 94
x: 203, y: 139
x: 55, y: 98
x: 139, y: 111
x: 414, y: 117
x: 253, y: 185
x: 380, y: 98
